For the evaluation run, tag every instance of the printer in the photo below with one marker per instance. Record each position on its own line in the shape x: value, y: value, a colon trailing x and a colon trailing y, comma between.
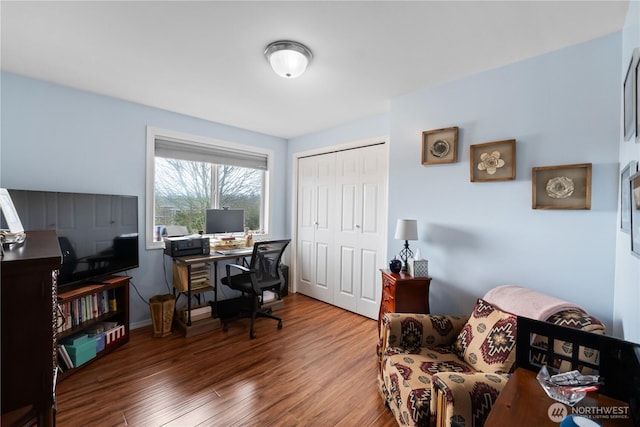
x: 186, y: 245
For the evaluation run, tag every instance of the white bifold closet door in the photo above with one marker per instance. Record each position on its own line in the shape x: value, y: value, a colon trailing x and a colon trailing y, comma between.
x: 341, y: 227
x: 316, y: 199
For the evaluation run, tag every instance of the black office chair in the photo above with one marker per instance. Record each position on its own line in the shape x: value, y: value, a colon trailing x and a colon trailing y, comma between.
x: 263, y: 274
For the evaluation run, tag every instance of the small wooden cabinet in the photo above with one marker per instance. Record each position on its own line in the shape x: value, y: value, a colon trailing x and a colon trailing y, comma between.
x: 29, y: 276
x: 402, y: 293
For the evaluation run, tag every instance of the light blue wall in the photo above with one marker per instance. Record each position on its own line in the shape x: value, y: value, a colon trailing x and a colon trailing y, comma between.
x: 627, y: 274
x: 562, y: 108
x: 61, y: 139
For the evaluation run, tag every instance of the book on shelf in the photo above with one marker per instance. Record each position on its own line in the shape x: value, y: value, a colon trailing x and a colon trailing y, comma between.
x: 65, y: 356
x: 200, y: 275
x: 113, y: 302
x: 197, y: 313
x: 199, y: 284
x: 61, y: 366
x: 80, y: 310
x: 200, y: 266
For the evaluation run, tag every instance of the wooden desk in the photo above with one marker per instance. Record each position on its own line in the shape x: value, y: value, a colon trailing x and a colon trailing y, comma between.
x: 523, y: 402
x: 212, y: 258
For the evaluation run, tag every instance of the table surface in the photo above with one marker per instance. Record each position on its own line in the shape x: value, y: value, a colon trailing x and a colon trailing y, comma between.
x: 523, y: 402
x: 212, y: 257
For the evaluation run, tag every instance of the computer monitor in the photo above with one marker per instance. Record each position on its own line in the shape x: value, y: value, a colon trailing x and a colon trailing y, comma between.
x: 224, y: 221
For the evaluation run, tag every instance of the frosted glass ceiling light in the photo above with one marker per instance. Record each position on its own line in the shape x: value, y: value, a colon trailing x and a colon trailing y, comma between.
x: 288, y: 59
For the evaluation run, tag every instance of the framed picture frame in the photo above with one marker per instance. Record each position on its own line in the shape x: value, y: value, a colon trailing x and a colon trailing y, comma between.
x: 635, y: 213
x: 625, y: 195
x: 628, y: 95
x: 440, y: 146
x: 9, y: 212
x: 493, y: 161
x: 561, y: 187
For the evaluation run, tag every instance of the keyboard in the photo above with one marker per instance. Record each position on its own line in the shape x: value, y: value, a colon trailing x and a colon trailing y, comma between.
x: 239, y: 251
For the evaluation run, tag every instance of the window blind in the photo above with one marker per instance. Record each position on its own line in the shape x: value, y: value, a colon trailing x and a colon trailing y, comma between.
x: 209, y: 153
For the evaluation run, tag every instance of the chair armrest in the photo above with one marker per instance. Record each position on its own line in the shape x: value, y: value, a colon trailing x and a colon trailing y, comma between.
x: 230, y: 277
x: 409, y: 331
x: 239, y: 267
x: 464, y: 398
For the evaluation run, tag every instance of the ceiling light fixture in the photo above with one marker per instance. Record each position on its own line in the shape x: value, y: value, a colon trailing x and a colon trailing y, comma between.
x: 288, y: 59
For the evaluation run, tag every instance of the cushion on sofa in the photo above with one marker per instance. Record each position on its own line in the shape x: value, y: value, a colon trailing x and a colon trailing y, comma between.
x: 487, y: 340
x: 406, y: 382
x: 408, y: 330
x: 464, y: 396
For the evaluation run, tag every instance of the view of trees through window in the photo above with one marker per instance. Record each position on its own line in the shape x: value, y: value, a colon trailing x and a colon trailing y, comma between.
x: 185, y: 189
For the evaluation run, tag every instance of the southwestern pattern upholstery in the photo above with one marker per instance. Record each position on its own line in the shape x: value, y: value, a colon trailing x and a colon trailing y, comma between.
x: 576, y: 319
x: 487, y: 341
x: 440, y: 370
x: 456, y: 358
x: 413, y: 348
x: 465, y: 400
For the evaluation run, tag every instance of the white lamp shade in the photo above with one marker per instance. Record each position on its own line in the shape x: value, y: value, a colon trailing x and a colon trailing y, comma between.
x: 288, y: 63
x: 407, y: 229
x: 288, y: 59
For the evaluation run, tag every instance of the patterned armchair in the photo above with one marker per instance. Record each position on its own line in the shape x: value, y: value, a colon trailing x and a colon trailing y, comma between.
x: 440, y: 370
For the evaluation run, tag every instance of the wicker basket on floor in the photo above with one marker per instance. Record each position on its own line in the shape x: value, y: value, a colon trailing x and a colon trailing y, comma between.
x: 162, y: 307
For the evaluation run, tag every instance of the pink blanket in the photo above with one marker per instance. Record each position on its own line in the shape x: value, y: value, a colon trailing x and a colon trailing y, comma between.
x: 527, y: 303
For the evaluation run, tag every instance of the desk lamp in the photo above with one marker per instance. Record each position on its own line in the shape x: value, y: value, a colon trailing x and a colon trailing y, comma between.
x: 406, y: 229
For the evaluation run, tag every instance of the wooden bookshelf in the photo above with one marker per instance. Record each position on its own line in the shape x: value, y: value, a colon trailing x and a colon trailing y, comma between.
x: 89, y: 299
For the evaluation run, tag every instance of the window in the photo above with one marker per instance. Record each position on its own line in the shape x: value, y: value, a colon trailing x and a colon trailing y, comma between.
x: 187, y: 175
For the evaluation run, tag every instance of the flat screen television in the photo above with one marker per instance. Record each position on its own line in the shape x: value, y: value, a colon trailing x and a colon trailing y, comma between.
x: 224, y: 221
x: 98, y: 233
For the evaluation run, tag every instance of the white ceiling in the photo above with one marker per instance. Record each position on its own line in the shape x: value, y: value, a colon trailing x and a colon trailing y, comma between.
x: 205, y: 58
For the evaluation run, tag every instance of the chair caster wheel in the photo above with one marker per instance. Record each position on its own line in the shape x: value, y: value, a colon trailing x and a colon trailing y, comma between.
x: 252, y: 335
x: 279, y: 325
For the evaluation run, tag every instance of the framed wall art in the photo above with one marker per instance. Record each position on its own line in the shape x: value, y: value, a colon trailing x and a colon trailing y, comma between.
x: 635, y: 213
x: 628, y: 96
x: 440, y: 146
x: 493, y: 161
x: 561, y: 187
x: 625, y: 195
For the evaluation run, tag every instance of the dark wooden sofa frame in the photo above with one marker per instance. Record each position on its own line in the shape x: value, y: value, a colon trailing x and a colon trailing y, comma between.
x: 618, y: 363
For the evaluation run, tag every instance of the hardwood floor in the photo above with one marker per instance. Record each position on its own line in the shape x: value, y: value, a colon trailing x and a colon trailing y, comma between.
x: 318, y: 370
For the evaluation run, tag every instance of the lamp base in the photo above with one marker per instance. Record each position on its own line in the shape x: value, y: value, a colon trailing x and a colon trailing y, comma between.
x: 405, y: 254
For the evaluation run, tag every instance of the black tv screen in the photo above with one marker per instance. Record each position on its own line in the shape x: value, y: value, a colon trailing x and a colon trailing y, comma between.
x: 224, y: 221
x: 98, y: 233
